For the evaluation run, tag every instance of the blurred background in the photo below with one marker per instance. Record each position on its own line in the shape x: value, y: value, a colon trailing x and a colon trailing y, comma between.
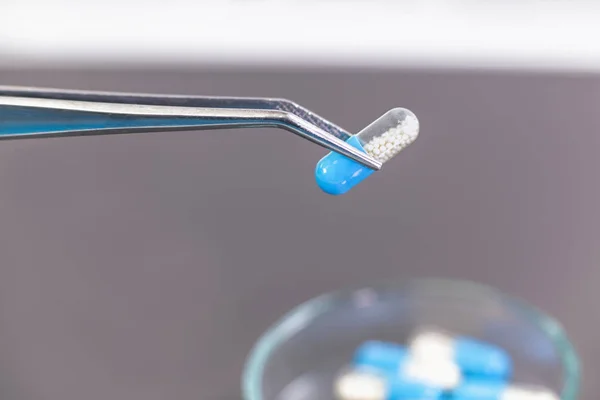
x: 146, y: 266
x: 532, y: 34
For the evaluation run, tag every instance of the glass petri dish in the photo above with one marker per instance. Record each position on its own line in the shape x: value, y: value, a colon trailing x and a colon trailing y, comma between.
x: 300, y: 356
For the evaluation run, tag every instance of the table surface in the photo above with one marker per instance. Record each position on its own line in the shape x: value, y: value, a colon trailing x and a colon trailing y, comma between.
x: 145, y: 266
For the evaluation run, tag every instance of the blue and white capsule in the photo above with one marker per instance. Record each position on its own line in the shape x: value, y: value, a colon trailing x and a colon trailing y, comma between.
x: 498, y: 390
x: 364, y: 384
x: 383, y: 139
x: 395, y: 360
x: 474, y: 358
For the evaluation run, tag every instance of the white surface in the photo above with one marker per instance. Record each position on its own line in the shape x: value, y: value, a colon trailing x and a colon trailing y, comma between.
x: 537, y: 34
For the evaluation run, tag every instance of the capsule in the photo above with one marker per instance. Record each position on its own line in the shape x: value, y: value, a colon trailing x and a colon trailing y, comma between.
x: 498, y: 390
x: 383, y: 139
x: 362, y: 384
x: 473, y: 357
x: 395, y: 360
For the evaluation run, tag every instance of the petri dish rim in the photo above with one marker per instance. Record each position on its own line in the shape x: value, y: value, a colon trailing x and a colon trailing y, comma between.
x: 302, y: 315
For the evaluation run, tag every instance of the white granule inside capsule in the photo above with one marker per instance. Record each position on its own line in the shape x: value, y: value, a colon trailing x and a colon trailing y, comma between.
x: 393, y: 141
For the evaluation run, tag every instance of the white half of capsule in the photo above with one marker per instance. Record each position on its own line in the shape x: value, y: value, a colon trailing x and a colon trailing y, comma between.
x: 432, y: 345
x: 389, y: 134
x: 439, y: 373
x: 527, y: 393
x: 356, y: 385
x: 493, y: 390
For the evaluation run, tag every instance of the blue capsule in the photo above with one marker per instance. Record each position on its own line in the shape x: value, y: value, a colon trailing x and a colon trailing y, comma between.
x: 383, y: 139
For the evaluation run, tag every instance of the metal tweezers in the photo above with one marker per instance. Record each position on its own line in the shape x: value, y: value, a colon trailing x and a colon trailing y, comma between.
x: 33, y: 112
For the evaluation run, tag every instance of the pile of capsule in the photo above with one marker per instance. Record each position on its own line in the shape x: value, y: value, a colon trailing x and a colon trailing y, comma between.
x: 434, y: 366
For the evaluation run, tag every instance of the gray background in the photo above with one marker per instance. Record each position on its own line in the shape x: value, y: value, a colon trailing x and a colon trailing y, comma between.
x: 145, y: 266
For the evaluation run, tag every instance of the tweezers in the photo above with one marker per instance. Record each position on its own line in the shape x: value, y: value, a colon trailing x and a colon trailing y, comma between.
x: 27, y: 112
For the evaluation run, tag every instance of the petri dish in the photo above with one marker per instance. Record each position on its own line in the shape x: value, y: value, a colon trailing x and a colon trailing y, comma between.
x: 301, y: 355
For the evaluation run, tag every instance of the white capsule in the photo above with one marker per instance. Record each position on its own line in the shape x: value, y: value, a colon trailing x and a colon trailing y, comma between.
x: 356, y: 385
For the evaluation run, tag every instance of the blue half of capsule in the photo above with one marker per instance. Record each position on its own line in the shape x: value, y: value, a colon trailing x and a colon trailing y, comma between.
x: 402, y: 389
x: 479, y: 390
x: 382, y: 356
x: 482, y: 359
x: 336, y: 174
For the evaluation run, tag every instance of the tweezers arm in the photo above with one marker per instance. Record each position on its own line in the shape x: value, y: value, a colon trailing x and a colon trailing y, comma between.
x: 25, y: 117
x: 255, y: 103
